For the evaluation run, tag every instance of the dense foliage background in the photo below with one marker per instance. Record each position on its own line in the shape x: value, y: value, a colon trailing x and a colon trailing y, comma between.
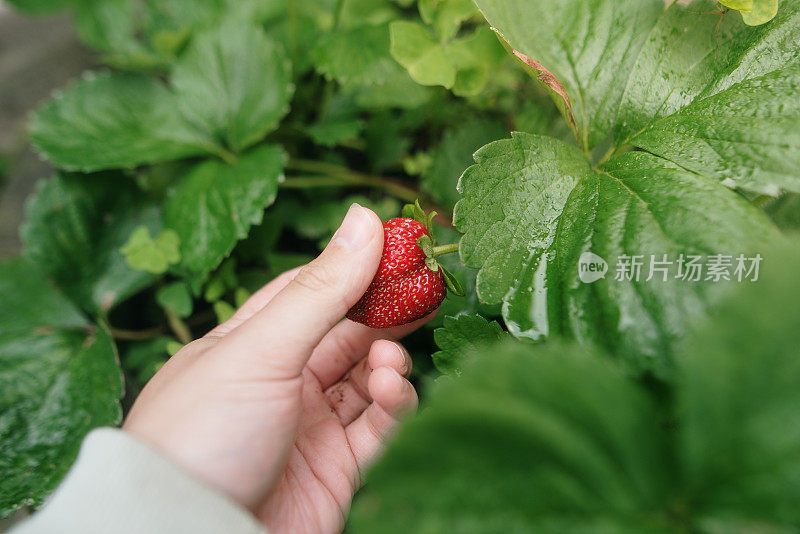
x: 223, y: 141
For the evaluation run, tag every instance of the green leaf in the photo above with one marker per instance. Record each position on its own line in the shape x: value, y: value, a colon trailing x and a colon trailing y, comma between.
x: 454, y: 154
x: 318, y: 220
x: 356, y: 56
x: 462, y: 65
x: 388, y: 140
x: 214, y: 290
x: 459, y: 337
x: 754, y: 12
x: 474, y: 57
x: 562, y: 440
x: 446, y: 16
x: 728, y: 88
x: 240, y: 296
x: 532, y: 207
x: 107, y: 25
x: 741, y: 5
x: 426, y: 244
x: 738, y: 399
x: 528, y: 439
x: 417, y: 163
x: 452, y: 283
x: 340, y: 121
x: 39, y: 7
x: 233, y: 83
x: 177, y: 297
x: 416, y: 49
x: 540, y: 116
x: 686, y: 59
x: 145, y: 358
x: 280, y: 262
x: 214, y: 206
x: 763, y: 11
x: 59, y: 378
x: 399, y: 91
x: 589, y: 46
x: 154, y: 256
x: 173, y: 347
x: 354, y: 13
x: 223, y: 280
x: 75, y: 227
x: 298, y: 25
x: 454, y: 305
x: 177, y: 16
x: 747, y: 135
x: 333, y: 132
x: 785, y: 211
x: 135, y: 119
x: 223, y: 311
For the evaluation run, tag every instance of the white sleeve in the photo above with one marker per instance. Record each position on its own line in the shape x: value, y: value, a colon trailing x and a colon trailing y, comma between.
x: 120, y: 485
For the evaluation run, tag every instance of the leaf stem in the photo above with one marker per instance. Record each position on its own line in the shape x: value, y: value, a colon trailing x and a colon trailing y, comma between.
x: 760, y: 200
x: 226, y: 155
x: 613, y: 151
x: 136, y: 335
x: 350, y: 177
x: 445, y: 249
x: 178, y: 327
x: 608, y: 155
x: 336, y: 175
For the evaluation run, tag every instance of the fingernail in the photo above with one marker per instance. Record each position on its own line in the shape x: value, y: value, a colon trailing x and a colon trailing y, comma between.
x: 406, y: 357
x: 398, y: 376
x: 354, y: 233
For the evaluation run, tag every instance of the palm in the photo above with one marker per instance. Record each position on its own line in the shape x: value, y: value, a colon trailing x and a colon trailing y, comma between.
x: 334, y: 438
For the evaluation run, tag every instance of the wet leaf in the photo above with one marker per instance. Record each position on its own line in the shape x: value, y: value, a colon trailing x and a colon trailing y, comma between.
x: 59, y: 379
x: 719, y: 102
x: 590, y: 47
x: 532, y: 207
x: 563, y: 440
x: 560, y: 440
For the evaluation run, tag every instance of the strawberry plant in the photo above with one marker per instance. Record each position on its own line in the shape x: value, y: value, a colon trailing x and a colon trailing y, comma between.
x: 608, y: 172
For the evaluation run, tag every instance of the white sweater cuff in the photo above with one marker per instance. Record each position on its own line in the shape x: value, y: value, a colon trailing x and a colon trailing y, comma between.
x: 121, y: 485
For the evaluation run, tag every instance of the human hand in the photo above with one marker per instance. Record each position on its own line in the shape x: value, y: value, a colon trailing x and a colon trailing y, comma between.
x: 283, y: 406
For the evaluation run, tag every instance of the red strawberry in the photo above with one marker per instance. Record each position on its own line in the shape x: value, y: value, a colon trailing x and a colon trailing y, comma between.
x: 405, y: 288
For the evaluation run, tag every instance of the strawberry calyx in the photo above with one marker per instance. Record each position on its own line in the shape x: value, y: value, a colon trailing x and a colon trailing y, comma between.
x: 430, y: 249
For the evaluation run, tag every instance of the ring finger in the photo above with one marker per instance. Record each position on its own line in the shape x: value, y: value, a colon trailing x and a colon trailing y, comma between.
x: 350, y: 396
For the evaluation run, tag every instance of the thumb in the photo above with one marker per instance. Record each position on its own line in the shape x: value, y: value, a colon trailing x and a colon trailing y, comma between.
x: 282, y: 335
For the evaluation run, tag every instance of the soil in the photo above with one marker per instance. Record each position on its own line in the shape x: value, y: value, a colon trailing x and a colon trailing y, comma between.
x: 37, y: 55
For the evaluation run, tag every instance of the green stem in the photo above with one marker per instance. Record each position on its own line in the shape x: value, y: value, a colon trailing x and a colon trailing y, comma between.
x: 337, y: 19
x: 179, y: 328
x: 607, y: 156
x: 136, y: 335
x: 760, y: 200
x: 336, y: 175
x: 310, y: 181
x: 344, y: 176
x: 226, y: 155
x: 445, y: 249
